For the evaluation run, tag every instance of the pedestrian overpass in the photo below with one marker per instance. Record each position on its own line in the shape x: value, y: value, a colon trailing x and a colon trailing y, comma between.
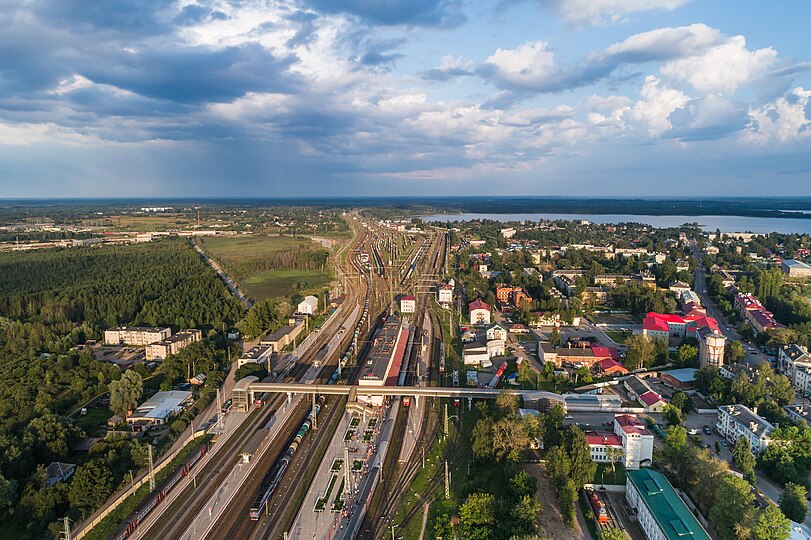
x: 246, y: 390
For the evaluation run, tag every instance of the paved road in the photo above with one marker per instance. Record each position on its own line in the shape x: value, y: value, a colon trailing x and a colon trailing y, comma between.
x: 700, y: 287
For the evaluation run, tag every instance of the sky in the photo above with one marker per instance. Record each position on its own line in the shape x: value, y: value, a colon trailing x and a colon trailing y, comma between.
x: 214, y: 98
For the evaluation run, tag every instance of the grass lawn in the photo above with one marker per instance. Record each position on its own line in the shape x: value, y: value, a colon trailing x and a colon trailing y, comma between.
x: 282, y: 282
x: 238, y: 256
x: 619, y: 337
x: 147, y: 223
x: 90, y: 423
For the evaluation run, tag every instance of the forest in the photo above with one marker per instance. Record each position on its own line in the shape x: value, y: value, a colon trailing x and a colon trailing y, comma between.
x: 51, y: 303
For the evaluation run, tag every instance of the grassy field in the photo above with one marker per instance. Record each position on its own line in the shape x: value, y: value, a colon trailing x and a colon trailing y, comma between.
x: 617, y: 336
x: 160, y: 222
x: 238, y: 253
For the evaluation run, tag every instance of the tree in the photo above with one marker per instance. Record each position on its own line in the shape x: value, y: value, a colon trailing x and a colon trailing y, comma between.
x: 583, y: 467
x: 524, y: 515
x: 733, y: 505
x: 771, y: 524
x: 510, y: 436
x: 675, y: 441
x: 613, y: 534
x: 477, y: 515
x: 792, y: 502
x: 523, y: 483
x: 672, y: 415
x: 567, y: 497
x: 686, y: 355
x: 681, y: 401
x: 553, y: 426
x: 507, y: 403
x: 92, y: 483
x: 126, y: 392
x: 48, y: 436
x: 615, y: 455
x: 8, y: 492
x: 558, y: 466
x: 734, y: 352
x: 482, y: 436
x: 781, y: 389
x: 640, y: 351
x: 744, y: 459
x: 554, y: 337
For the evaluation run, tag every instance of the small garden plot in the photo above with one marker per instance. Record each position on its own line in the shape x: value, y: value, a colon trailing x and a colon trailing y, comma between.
x: 354, y: 422
x: 357, y: 465
x: 321, y: 503
x: 372, y: 423
x: 338, y: 503
x: 336, y: 465
x: 349, y: 434
x: 367, y: 435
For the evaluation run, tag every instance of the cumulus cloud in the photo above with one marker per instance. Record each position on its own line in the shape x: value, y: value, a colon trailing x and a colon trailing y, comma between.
x: 722, y: 68
x: 786, y: 119
x: 658, y: 102
x: 596, y: 12
x: 449, y: 68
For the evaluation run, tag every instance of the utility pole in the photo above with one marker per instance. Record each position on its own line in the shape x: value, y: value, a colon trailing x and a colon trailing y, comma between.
x: 66, y: 531
x: 447, y: 482
x: 446, y: 420
x: 151, y: 471
x: 315, y: 415
x: 219, y: 409
x: 346, y: 470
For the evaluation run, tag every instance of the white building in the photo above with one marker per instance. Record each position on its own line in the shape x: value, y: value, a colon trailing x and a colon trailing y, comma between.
x: 496, y: 331
x: 136, y: 336
x: 160, y: 407
x: 308, y: 306
x: 637, y: 441
x: 172, y: 345
x: 479, y: 312
x: 474, y: 353
x: 445, y: 293
x: 408, y: 304
x: 736, y: 421
x: 711, y: 346
x: 257, y: 355
x: 495, y: 347
x: 795, y: 268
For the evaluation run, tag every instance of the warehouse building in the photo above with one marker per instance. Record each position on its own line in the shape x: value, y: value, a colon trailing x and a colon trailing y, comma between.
x: 159, y: 408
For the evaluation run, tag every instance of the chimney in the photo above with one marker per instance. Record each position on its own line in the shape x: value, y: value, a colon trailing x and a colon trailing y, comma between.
x: 754, y: 410
x: 753, y: 427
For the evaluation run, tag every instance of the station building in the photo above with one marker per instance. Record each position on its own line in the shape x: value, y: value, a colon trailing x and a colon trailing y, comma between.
x: 661, y: 512
x: 381, y: 367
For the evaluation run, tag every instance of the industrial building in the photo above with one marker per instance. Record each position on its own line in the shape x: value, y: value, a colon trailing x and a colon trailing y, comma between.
x: 284, y: 336
x: 256, y: 354
x: 172, y: 345
x: 159, y: 408
x: 381, y: 367
x: 793, y: 268
x: 136, y: 336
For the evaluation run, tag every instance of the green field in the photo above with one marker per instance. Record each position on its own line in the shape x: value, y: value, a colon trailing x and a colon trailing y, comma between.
x: 283, y: 282
x: 258, y: 264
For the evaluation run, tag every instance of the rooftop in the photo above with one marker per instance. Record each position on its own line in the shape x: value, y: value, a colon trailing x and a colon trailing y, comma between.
x: 746, y: 417
x: 603, y: 438
x: 479, y: 304
x: 792, y: 263
x: 390, y: 341
x: 682, y: 375
x: 670, y: 513
x: 161, y: 405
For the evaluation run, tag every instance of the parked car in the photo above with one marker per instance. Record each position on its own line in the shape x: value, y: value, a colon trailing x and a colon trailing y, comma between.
x: 724, y: 442
x: 707, y: 430
x: 693, y: 432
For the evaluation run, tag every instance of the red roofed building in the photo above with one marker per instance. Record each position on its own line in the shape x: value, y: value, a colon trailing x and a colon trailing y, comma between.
x: 667, y: 324
x: 637, y: 441
x: 609, y: 366
x: 479, y: 312
x: 652, y: 401
x: 630, y: 436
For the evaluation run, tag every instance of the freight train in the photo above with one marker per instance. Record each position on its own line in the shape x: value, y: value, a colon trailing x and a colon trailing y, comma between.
x: 274, y: 476
x: 157, y: 496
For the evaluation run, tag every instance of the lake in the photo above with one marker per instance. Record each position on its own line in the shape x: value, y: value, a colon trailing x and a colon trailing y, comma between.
x: 708, y: 223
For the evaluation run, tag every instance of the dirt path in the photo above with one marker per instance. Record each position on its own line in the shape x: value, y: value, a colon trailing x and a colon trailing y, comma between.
x: 550, y: 521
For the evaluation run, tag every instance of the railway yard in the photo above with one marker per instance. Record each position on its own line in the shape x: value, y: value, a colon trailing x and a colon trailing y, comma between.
x: 330, y: 467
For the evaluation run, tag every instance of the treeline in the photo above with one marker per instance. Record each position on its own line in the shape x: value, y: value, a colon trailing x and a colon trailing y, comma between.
x: 151, y: 284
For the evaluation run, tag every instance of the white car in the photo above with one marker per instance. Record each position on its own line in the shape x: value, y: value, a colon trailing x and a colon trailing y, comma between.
x: 693, y: 432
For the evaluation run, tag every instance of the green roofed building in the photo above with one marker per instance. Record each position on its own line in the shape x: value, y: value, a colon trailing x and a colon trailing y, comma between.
x: 662, y: 514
